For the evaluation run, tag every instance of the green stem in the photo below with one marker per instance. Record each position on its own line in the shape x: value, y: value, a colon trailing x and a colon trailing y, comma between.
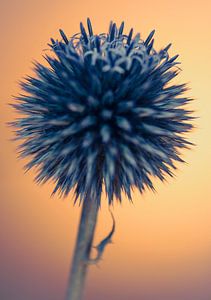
x: 82, y: 250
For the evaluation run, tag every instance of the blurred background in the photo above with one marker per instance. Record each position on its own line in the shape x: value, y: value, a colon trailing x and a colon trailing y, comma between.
x: 162, y: 243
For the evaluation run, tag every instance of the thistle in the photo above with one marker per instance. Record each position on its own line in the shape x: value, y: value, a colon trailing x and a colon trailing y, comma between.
x: 103, y: 113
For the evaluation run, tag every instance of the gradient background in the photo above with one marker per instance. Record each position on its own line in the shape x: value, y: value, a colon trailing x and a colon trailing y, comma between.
x: 162, y: 243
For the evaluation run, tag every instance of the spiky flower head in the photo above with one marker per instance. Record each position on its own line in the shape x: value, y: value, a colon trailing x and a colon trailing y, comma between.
x: 103, y: 113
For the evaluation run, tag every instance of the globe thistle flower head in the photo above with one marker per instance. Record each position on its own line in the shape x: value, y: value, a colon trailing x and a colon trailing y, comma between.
x: 103, y: 113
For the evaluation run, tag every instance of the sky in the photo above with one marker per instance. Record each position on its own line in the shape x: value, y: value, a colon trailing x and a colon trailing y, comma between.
x: 162, y: 242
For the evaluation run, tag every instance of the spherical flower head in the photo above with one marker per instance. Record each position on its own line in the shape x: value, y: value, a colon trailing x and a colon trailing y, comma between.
x: 103, y: 113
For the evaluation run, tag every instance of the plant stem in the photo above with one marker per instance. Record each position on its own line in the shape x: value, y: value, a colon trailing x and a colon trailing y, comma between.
x: 82, y: 250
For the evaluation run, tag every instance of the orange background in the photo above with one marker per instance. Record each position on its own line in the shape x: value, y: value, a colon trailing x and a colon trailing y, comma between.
x: 162, y: 243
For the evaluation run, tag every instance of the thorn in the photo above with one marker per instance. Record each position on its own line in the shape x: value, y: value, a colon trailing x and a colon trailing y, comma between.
x: 110, y: 26
x: 121, y: 28
x: 83, y: 32
x: 63, y: 35
x: 173, y: 58
x: 149, y: 37
x: 167, y: 47
x: 113, y: 32
x: 89, y: 25
x: 130, y: 36
x: 53, y: 41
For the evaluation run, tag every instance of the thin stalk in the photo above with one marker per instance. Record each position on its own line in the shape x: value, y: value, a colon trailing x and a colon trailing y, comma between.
x: 82, y: 250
